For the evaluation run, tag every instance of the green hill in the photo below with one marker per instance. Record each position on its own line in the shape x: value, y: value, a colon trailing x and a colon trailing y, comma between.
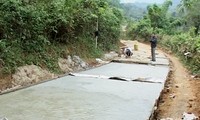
x: 134, y: 11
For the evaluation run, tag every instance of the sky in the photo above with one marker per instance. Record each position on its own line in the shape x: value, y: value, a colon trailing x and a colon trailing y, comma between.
x: 142, y: 1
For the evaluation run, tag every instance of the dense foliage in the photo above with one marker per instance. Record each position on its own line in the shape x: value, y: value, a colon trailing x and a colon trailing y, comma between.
x: 185, y: 46
x: 40, y: 31
x: 157, y: 20
x: 189, y: 10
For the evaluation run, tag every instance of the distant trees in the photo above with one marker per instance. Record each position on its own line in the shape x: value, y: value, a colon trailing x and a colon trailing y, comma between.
x: 156, y: 20
x: 178, y: 32
x: 160, y: 20
x: 132, y: 11
x: 190, y: 11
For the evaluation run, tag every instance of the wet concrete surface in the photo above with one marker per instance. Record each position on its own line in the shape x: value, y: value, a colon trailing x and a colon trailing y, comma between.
x: 85, y: 98
x: 160, y: 60
x: 143, y: 57
x: 131, y: 71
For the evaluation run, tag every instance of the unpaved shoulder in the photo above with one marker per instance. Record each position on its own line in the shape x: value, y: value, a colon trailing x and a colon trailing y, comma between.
x: 180, y: 94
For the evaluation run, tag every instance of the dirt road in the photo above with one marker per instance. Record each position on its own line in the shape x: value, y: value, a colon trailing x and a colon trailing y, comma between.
x: 181, y: 93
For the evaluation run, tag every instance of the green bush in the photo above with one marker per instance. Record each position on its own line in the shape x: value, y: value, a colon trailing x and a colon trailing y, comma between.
x: 182, y: 44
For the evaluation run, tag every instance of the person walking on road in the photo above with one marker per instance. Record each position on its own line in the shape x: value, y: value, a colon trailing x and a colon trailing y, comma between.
x: 153, y: 47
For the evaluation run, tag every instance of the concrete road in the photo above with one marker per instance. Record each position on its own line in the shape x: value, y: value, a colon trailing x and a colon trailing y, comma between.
x: 89, y: 98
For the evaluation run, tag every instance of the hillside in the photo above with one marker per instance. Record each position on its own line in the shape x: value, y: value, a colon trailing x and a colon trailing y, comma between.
x: 138, y: 9
x: 134, y: 11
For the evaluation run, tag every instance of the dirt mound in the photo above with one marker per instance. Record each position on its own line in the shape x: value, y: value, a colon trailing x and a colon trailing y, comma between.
x: 5, y: 83
x: 121, y: 45
x: 30, y: 74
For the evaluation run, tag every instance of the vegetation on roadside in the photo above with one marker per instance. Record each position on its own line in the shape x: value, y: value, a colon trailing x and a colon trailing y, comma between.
x: 177, y: 31
x: 40, y: 31
x: 186, y: 47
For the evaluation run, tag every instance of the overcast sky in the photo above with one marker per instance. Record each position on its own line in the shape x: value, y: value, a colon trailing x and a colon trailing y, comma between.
x: 142, y: 1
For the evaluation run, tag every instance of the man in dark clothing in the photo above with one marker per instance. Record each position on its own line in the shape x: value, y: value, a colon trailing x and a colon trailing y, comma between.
x: 153, y: 47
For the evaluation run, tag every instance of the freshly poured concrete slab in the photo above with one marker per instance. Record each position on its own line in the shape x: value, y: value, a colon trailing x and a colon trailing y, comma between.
x: 131, y: 61
x: 149, y: 80
x: 87, y: 98
x: 161, y: 59
x: 76, y: 98
x: 131, y: 71
x: 161, y: 55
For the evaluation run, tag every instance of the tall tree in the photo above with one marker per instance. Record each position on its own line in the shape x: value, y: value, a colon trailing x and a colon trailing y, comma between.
x: 190, y: 11
x: 157, y: 14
